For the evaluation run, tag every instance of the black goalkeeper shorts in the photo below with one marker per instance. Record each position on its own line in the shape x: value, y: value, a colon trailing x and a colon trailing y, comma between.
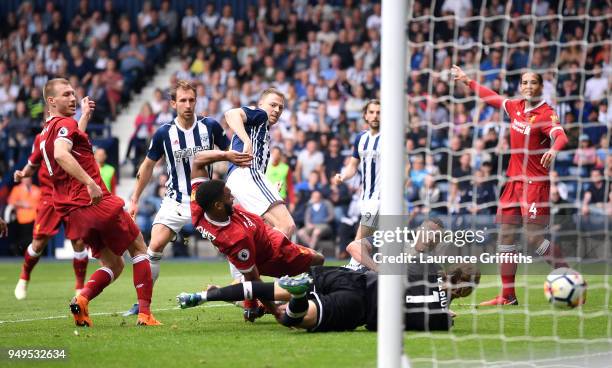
x: 339, y: 295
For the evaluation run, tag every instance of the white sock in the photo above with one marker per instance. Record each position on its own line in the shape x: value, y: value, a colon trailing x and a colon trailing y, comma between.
x: 81, y: 255
x: 32, y: 253
x: 154, y: 259
x: 543, y: 248
x: 203, y: 295
x: 247, y: 288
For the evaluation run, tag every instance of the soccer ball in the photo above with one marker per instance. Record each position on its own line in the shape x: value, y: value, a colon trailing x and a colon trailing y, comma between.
x: 565, y: 287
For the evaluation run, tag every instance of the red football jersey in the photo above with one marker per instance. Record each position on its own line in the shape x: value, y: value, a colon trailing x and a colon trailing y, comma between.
x: 44, y: 180
x: 68, y: 192
x: 531, y: 134
x: 243, y: 238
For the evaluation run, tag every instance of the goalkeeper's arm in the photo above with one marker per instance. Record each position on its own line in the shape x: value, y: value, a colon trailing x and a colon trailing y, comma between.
x: 489, y: 96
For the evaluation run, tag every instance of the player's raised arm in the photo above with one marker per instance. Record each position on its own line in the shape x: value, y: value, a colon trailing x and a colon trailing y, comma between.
x: 143, y: 176
x: 145, y: 171
x: 65, y: 159
x: 207, y: 157
x: 87, y: 109
x: 236, y: 118
x: 489, y: 96
x: 351, y: 169
x: 33, y: 162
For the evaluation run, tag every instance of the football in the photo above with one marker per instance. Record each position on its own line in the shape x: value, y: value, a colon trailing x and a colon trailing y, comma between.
x: 565, y: 287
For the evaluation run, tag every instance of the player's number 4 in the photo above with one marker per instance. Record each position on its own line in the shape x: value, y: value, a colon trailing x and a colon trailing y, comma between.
x: 44, y: 153
x: 533, y: 210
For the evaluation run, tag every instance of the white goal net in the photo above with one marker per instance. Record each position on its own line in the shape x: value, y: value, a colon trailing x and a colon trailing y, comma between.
x: 457, y: 151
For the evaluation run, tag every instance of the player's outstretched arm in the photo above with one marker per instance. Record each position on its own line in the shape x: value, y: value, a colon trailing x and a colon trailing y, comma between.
x: 360, y: 250
x: 489, y: 96
x: 87, y: 109
x: 65, y: 159
x: 207, y: 157
x: 26, y: 172
x: 145, y: 171
x: 349, y: 171
x: 559, y: 141
x: 236, y: 118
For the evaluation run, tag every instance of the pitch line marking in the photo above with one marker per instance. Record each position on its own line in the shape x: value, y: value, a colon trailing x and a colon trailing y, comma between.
x: 106, y: 314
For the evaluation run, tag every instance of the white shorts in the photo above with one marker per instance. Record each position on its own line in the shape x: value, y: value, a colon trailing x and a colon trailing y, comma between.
x: 253, y: 190
x: 369, y: 212
x: 173, y: 214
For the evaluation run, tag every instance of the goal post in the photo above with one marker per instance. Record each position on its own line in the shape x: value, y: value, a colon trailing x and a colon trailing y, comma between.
x: 393, y: 112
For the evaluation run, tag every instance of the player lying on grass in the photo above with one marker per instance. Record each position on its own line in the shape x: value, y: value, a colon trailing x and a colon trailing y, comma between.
x: 252, y: 246
x: 361, y: 249
x: 339, y: 299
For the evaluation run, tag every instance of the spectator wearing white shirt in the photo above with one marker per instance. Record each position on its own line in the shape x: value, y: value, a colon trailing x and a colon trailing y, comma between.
x: 596, y: 87
x: 210, y: 18
x: 8, y: 95
x: 461, y: 8
x: 228, y: 19
x: 305, y: 118
x: 309, y: 160
x: 190, y: 24
x: 374, y: 20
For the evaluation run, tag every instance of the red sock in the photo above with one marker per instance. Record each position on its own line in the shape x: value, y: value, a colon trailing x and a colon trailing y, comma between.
x: 507, y: 271
x: 143, y: 282
x: 30, y: 259
x: 554, y: 256
x: 97, y: 282
x: 80, y: 270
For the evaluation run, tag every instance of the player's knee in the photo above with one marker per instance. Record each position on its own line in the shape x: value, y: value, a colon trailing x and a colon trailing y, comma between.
x: 317, y: 260
x: 288, y: 228
x: 534, y: 241
x: 78, y: 245
x: 507, y: 238
x: 156, y: 245
x: 116, y: 265
x: 353, y: 247
x: 38, y: 245
x: 138, y: 246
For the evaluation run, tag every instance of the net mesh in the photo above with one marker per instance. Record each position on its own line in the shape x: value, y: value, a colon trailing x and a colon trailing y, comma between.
x: 457, y: 145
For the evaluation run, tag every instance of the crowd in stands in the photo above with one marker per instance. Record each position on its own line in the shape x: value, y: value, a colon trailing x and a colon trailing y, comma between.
x: 325, y: 57
x: 105, y: 55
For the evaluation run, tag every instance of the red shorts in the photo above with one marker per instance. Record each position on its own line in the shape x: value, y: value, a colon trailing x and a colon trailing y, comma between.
x: 105, y: 225
x: 288, y: 258
x: 524, y: 201
x: 47, y: 221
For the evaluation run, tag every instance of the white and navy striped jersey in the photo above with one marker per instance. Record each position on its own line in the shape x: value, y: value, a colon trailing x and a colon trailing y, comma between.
x: 257, y: 128
x: 180, y: 146
x: 367, y: 150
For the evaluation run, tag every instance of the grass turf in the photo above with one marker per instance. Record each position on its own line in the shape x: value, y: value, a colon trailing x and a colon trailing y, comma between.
x: 216, y: 336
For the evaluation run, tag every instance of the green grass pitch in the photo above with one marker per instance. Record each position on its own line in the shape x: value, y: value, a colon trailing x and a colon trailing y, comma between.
x: 216, y: 336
